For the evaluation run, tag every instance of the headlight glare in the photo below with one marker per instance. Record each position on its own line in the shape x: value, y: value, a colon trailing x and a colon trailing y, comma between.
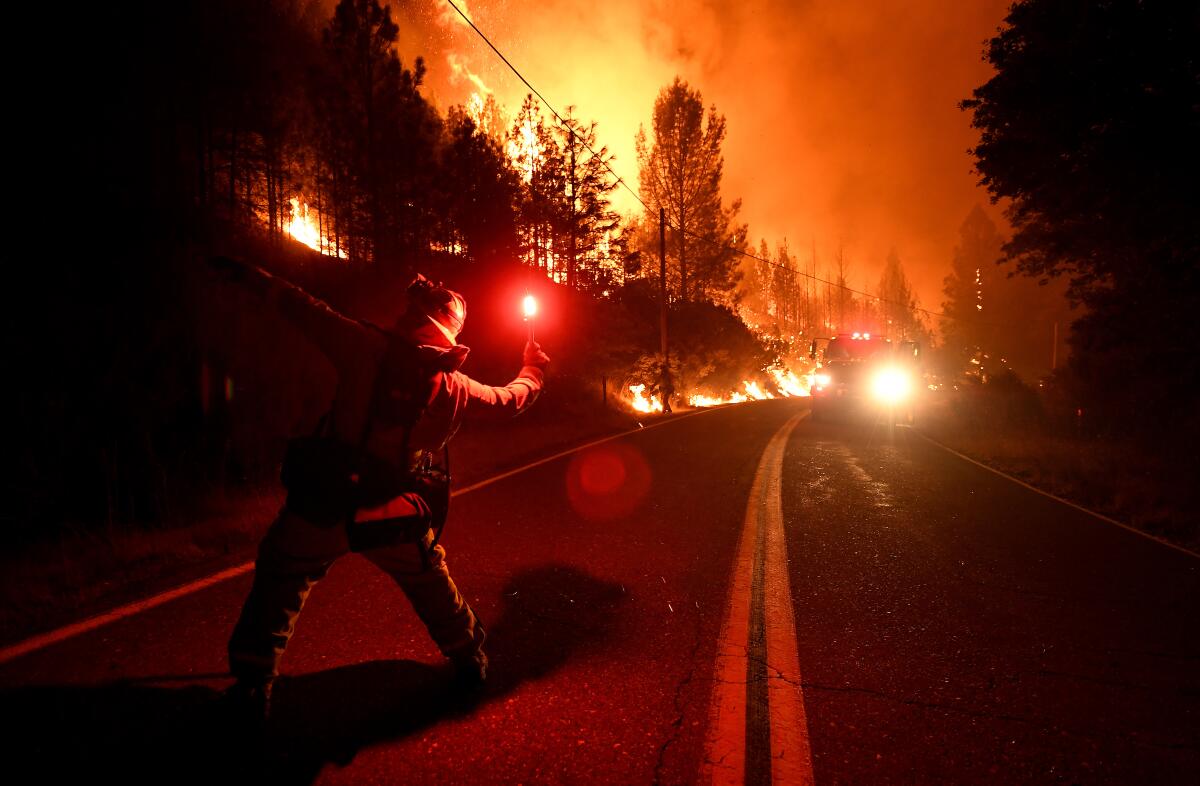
x: 891, y: 386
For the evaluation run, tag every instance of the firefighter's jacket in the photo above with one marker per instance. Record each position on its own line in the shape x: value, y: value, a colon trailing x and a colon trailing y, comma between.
x: 356, y: 350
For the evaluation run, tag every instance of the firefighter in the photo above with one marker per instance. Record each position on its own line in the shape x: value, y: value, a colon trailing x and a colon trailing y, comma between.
x: 366, y: 482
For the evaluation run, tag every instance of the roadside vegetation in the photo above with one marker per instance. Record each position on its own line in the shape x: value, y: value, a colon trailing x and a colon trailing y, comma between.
x: 1087, y: 136
x: 1034, y: 435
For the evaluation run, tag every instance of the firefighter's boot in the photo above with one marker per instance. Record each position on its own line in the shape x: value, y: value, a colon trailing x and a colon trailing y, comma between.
x: 470, y: 670
x: 247, y: 705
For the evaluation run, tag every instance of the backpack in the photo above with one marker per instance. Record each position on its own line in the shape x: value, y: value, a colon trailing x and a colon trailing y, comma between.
x: 328, y: 479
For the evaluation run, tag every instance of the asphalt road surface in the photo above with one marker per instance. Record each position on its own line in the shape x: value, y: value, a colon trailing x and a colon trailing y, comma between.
x: 735, y: 596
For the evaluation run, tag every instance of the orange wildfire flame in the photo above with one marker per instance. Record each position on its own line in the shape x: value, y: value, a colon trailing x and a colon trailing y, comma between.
x: 788, y: 383
x: 639, y: 401
x: 304, y: 225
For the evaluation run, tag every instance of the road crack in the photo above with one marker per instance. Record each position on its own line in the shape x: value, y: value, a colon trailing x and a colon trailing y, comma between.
x: 677, y: 724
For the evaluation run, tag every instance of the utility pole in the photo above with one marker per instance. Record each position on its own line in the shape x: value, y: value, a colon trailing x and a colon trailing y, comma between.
x: 665, y: 384
x: 572, y: 262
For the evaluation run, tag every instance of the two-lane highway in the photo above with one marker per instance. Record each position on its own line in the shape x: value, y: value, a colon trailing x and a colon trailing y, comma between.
x: 943, y: 624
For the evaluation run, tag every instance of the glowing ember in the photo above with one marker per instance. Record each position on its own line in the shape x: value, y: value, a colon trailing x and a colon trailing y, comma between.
x: 640, y: 402
x: 304, y: 225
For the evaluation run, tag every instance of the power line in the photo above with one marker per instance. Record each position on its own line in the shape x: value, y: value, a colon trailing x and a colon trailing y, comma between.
x: 710, y: 241
x: 547, y: 104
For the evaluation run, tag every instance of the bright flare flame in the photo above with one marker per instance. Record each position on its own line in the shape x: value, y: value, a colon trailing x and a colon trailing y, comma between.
x: 891, y: 386
x: 530, y: 307
x: 640, y: 402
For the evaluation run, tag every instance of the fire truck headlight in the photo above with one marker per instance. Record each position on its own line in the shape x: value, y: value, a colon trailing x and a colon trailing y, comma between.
x: 822, y: 380
x: 891, y: 386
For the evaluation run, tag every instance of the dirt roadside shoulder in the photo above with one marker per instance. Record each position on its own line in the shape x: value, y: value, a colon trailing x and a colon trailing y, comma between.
x: 1121, y: 481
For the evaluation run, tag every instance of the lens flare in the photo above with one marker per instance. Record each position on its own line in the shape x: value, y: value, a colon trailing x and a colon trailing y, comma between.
x: 607, y: 481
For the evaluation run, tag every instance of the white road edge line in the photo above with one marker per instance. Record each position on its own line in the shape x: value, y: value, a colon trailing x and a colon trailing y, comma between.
x: 1057, y: 498
x: 62, y: 634
x: 49, y: 638
x: 726, y: 738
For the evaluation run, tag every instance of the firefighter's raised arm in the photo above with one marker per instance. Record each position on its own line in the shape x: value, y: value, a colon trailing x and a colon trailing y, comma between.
x: 515, y: 397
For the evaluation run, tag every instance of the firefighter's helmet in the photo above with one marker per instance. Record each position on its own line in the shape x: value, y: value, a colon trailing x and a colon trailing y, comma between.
x: 431, y: 305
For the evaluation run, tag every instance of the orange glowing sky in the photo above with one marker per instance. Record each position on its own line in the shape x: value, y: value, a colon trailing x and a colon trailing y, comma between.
x: 842, y: 119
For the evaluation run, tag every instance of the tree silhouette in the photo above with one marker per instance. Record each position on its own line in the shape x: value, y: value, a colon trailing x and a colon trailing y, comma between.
x: 1088, y: 130
x: 594, y: 247
x: 379, y: 134
x: 969, y: 289
x: 480, y: 191
x: 535, y: 153
x: 898, y: 304
x: 680, y: 171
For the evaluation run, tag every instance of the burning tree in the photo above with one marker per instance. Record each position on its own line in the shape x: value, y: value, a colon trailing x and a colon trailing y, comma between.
x: 535, y: 154
x: 964, y: 328
x: 592, y: 226
x: 996, y: 320
x: 568, y: 228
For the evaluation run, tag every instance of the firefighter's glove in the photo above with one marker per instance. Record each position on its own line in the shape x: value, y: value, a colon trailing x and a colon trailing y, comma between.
x: 534, y: 356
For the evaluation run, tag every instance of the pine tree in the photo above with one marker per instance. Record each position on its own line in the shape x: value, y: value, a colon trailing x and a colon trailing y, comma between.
x: 379, y: 135
x: 479, y: 191
x: 591, y: 227
x: 535, y: 153
x: 680, y: 172
x: 898, y: 304
x: 970, y: 283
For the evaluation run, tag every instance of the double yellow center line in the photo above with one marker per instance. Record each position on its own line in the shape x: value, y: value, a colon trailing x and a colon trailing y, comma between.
x: 758, y: 731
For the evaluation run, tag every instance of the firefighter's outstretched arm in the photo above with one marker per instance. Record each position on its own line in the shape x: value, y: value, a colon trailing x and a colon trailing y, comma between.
x: 516, y: 396
x: 338, y: 337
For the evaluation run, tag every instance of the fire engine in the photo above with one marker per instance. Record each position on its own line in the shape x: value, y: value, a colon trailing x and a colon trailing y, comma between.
x: 859, y: 374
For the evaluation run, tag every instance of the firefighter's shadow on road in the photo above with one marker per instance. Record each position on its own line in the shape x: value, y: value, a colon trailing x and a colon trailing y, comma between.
x: 163, y: 733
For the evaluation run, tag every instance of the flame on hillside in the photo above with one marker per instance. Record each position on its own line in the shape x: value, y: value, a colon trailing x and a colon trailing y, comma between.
x: 304, y: 225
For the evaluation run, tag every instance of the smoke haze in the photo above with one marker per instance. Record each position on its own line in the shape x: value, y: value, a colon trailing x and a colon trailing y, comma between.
x: 843, y: 126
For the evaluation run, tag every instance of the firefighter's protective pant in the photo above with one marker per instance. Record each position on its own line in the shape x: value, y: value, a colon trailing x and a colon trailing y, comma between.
x: 295, y: 554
